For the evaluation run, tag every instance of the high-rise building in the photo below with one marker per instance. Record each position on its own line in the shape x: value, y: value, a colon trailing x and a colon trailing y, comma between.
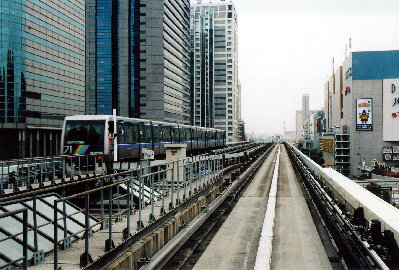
x: 138, y: 59
x: 362, y: 109
x: 214, y: 51
x: 42, y: 70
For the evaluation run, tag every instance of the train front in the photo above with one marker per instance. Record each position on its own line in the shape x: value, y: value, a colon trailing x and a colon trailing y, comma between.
x: 84, y: 142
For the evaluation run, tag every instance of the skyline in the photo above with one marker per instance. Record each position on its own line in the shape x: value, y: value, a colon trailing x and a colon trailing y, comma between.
x: 298, y: 50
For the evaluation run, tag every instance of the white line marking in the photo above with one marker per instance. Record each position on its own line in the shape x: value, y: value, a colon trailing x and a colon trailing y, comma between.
x: 264, y: 255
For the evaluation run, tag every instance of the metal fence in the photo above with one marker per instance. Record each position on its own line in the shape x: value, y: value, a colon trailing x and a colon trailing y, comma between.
x: 24, y: 234
x: 23, y: 174
x: 126, y: 201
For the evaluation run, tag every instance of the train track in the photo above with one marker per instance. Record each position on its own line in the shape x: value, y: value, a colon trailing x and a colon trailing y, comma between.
x: 186, y: 255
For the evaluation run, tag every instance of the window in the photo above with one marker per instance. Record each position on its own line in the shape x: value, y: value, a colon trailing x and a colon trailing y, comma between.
x: 84, y: 132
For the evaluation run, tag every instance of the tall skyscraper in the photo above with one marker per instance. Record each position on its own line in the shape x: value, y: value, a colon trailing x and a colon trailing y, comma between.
x: 305, y: 116
x: 42, y: 69
x: 138, y: 59
x: 214, y: 52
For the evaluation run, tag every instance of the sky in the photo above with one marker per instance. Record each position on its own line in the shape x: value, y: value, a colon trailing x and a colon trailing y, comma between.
x: 286, y: 49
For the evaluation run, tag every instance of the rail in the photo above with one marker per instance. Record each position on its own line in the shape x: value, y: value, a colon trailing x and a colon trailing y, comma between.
x: 24, y: 234
x: 351, y: 239
x: 34, y: 173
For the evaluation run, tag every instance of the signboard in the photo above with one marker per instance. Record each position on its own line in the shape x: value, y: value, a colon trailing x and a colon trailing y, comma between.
x: 395, y: 157
x: 387, y: 149
x: 327, y: 145
x: 395, y: 149
x: 364, y: 114
x: 390, y: 110
x: 387, y: 157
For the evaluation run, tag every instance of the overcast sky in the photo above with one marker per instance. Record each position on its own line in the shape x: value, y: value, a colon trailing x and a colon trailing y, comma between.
x: 286, y: 49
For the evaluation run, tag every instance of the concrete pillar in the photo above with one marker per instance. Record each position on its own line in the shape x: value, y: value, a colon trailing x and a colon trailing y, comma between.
x: 44, y: 143
x: 30, y: 144
x: 23, y: 143
x: 51, y: 144
x: 57, y: 148
x: 37, y: 143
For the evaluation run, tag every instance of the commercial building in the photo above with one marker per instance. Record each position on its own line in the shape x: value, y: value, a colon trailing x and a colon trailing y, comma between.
x: 241, y: 131
x: 361, y: 101
x: 138, y: 59
x: 214, y: 51
x: 42, y: 70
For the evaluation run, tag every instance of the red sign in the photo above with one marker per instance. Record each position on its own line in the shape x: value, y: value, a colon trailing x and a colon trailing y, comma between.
x: 347, y: 90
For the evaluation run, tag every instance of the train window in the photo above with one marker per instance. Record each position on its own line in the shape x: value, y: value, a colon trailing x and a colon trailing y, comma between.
x: 183, y: 134
x: 84, y: 132
x: 131, y: 133
x: 157, y: 133
x: 142, y: 133
x: 166, y: 134
x: 172, y: 135
x: 148, y: 134
x: 121, y: 133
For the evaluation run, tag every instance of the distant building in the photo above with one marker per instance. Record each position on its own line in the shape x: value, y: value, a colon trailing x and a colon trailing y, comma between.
x: 139, y: 59
x: 361, y: 107
x: 289, y: 136
x: 214, y: 54
x: 241, y: 131
x: 42, y: 71
x: 300, y: 124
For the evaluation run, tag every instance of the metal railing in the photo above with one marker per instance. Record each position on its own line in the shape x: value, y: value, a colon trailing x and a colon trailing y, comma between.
x: 23, y: 174
x: 168, y: 186
x: 24, y: 234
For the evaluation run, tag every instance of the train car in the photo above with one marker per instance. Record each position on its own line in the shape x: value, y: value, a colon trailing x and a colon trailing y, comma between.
x: 95, y: 134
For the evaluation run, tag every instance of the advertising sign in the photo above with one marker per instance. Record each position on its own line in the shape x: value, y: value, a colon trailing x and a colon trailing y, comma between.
x: 395, y: 149
x: 387, y: 157
x: 387, y: 149
x: 364, y: 114
x: 395, y: 157
x: 390, y: 110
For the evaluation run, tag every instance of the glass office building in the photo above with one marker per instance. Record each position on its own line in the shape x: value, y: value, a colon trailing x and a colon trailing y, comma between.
x: 138, y: 59
x: 214, y: 71
x: 42, y: 70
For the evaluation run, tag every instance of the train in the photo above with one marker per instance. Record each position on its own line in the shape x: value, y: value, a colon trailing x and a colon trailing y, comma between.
x: 97, y: 135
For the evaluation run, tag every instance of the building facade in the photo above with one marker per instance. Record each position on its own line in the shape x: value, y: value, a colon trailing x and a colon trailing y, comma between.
x: 363, y: 109
x: 42, y: 70
x: 139, y: 59
x: 214, y: 52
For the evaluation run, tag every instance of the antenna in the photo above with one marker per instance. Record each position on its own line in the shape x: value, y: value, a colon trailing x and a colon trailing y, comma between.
x: 350, y: 45
x: 333, y: 65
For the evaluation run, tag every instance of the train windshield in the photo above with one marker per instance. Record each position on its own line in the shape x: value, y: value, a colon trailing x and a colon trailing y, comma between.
x: 84, y: 132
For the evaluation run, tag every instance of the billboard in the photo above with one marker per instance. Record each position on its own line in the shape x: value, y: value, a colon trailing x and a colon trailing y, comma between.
x: 364, y: 114
x: 390, y: 110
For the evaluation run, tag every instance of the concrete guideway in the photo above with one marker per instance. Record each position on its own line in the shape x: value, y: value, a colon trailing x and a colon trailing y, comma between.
x: 296, y: 242
x: 235, y: 244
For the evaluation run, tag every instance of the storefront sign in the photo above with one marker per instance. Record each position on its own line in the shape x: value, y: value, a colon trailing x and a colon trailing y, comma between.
x: 364, y: 114
x: 387, y: 157
x: 347, y: 90
x: 387, y: 149
x: 390, y: 106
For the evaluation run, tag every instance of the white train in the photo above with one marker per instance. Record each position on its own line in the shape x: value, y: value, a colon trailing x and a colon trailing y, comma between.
x: 95, y: 134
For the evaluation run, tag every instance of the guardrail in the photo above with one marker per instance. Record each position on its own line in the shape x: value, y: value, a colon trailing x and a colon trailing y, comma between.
x: 24, y: 233
x: 169, y: 185
x: 33, y: 173
x: 362, y: 242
